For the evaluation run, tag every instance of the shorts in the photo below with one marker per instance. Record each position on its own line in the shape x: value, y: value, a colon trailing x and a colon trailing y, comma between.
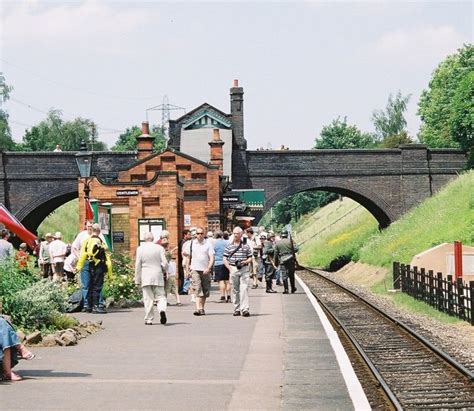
x: 201, y: 283
x: 221, y: 273
x: 58, y: 268
x: 170, y: 285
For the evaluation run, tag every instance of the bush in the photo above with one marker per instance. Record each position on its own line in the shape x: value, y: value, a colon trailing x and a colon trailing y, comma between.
x: 12, y: 280
x: 121, y: 284
x: 62, y: 322
x: 37, y: 306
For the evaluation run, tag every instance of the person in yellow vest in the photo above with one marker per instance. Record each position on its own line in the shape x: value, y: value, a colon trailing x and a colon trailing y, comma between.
x: 94, y: 251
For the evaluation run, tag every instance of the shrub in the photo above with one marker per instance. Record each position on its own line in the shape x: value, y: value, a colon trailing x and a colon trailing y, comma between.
x: 62, y: 322
x: 37, y: 306
x: 12, y: 280
x: 121, y: 284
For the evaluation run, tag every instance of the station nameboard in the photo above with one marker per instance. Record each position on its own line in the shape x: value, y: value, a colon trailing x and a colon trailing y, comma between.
x: 126, y: 193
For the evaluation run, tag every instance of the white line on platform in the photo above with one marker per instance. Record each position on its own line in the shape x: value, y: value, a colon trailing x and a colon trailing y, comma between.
x: 88, y: 380
x: 356, y: 392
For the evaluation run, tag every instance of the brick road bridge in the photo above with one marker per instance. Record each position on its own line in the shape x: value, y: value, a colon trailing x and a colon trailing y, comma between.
x: 386, y: 182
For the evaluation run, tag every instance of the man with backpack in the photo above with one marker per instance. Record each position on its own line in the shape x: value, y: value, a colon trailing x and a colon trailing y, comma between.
x: 94, y: 252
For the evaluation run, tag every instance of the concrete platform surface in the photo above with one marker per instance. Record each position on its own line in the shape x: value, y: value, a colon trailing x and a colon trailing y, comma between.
x: 278, y: 358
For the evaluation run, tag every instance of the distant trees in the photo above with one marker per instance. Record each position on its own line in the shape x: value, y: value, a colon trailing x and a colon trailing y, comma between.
x: 446, y: 107
x: 68, y: 134
x: 390, y: 124
x: 339, y: 134
x: 127, y: 140
x: 6, y: 141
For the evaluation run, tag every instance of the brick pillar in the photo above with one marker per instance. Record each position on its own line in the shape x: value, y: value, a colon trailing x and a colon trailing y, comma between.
x: 145, y: 142
x: 217, y: 153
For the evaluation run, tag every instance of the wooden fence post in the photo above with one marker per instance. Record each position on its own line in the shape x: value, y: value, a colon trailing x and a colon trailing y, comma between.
x: 422, y: 284
x: 431, y: 288
x: 396, y: 275
x: 471, y: 301
x: 439, y: 291
x: 450, y: 294
x: 460, y: 292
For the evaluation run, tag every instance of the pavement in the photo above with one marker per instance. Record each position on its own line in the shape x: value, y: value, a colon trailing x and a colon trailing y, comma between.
x: 278, y: 358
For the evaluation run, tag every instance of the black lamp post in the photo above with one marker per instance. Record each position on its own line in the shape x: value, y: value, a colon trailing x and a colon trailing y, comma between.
x: 84, y: 164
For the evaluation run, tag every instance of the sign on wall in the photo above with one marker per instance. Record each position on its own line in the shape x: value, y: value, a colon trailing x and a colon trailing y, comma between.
x: 187, y: 220
x: 104, y: 220
x: 153, y: 225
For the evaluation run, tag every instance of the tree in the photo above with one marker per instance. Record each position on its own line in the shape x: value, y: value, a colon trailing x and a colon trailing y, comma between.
x: 396, y: 140
x: 6, y: 141
x: 128, y: 141
x: 68, y: 134
x: 446, y: 107
x: 341, y: 135
x: 391, y: 121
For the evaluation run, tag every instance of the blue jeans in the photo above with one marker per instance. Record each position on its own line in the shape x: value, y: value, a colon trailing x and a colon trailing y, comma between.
x: 86, y: 287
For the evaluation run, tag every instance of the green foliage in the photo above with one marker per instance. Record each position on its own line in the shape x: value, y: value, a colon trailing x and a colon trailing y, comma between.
x: 339, y: 229
x: 62, y: 322
x: 6, y: 141
x: 391, y: 121
x: 395, y: 140
x: 340, y: 135
x: 446, y: 217
x: 13, y: 280
x: 121, y: 285
x: 292, y: 208
x: 128, y: 141
x: 447, y: 106
x: 37, y: 306
x: 68, y: 134
x: 64, y: 219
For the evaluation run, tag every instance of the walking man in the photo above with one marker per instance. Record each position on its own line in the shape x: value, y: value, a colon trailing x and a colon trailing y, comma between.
x: 285, y: 254
x: 200, y: 262
x: 57, y: 252
x: 237, y: 259
x: 186, y: 237
x: 269, y: 261
x: 150, y: 265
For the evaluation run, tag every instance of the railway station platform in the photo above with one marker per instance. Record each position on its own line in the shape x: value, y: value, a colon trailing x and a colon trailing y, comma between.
x: 285, y: 356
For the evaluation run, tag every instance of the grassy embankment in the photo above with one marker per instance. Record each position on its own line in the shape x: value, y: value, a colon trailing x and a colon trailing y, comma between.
x: 64, y: 219
x: 347, y: 229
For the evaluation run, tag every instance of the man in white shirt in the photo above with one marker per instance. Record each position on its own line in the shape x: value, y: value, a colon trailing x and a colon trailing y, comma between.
x: 57, y: 251
x: 6, y: 248
x: 200, y: 262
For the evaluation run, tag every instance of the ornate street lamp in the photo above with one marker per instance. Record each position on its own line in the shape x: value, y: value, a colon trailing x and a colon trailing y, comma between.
x: 84, y: 164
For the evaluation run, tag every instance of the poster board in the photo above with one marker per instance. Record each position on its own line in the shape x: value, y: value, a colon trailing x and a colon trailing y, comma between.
x: 153, y: 225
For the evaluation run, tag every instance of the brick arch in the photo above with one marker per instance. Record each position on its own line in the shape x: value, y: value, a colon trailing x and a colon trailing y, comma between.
x: 370, y: 200
x: 33, y: 213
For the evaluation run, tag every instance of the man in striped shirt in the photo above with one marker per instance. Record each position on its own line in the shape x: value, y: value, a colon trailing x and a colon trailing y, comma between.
x: 237, y: 259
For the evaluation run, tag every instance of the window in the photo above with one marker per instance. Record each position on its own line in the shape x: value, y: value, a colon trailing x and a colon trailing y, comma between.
x: 195, y: 195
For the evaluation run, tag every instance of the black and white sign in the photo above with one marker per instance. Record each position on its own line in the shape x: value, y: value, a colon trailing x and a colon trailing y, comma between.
x: 126, y: 193
x: 118, y: 236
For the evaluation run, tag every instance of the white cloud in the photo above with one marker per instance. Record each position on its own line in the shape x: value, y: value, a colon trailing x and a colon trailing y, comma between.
x: 420, y: 44
x: 97, y: 25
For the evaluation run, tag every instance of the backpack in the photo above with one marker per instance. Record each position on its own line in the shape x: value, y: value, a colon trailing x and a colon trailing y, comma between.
x: 95, y: 251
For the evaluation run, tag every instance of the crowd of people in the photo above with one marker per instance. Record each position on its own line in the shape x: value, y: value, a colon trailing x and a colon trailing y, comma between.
x: 233, y: 261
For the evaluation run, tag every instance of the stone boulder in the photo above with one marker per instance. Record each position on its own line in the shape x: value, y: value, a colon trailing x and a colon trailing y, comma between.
x: 34, y: 338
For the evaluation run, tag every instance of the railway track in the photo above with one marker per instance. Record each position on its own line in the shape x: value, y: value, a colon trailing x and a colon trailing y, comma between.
x: 412, y: 372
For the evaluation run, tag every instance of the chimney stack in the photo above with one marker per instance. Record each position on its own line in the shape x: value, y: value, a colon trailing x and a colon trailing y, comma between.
x: 217, y: 153
x: 145, y: 142
x: 237, y: 113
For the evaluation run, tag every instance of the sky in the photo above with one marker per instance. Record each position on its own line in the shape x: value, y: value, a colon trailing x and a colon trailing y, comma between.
x: 301, y: 64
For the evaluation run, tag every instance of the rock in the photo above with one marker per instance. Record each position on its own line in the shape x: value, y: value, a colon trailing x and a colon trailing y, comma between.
x: 21, y: 335
x: 109, y: 302
x: 123, y: 303
x: 69, y: 338
x: 34, y: 338
x: 60, y: 342
x: 49, y: 341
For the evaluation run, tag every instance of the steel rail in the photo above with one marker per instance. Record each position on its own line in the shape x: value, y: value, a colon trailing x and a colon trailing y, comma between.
x: 441, y: 354
x: 373, y: 369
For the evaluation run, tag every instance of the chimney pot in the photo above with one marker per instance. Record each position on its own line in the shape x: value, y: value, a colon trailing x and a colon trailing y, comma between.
x: 236, y: 83
x: 145, y: 128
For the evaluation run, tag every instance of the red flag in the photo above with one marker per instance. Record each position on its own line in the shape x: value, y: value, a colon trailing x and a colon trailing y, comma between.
x: 89, y: 211
x: 10, y: 222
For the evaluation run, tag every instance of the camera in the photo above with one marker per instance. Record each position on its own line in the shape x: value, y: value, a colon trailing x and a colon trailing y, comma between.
x: 238, y: 264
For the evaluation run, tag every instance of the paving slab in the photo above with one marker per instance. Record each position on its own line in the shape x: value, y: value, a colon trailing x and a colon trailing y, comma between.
x: 278, y: 358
